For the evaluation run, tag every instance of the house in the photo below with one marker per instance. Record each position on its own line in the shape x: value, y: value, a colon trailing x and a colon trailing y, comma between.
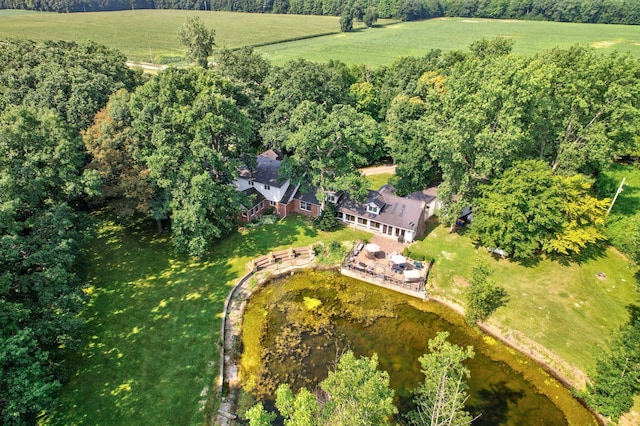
x: 267, y: 191
x: 385, y: 213
x: 382, y: 212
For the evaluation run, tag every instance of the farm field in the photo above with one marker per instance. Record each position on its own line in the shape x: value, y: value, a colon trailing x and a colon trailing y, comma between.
x: 150, y: 35
x: 381, y: 45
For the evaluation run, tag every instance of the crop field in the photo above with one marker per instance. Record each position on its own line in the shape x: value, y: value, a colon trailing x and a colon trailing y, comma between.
x: 150, y: 35
x: 382, y: 45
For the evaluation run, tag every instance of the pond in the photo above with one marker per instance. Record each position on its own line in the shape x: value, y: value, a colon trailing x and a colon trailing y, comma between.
x: 296, y: 327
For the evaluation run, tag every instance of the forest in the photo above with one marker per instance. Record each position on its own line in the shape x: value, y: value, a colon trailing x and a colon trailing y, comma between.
x: 586, y: 11
x: 520, y: 138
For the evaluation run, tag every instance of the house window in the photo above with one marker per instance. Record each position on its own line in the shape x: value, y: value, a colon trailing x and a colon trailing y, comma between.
x: 245, y: 213
x: 350, y: 218
x: 267, y: 187
x: 374, y: 225
x: 305, y: 206
x: 372, y: 208
x: 251, y: 183
x: 362, y: 221
x: 260, y: 206
x: 272, y: 203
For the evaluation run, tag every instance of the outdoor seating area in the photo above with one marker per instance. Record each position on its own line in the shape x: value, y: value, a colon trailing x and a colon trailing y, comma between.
x: 370, y: 262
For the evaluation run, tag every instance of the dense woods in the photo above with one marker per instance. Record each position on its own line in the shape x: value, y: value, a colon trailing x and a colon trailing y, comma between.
x: 80, y: 131
x: 588, y: 11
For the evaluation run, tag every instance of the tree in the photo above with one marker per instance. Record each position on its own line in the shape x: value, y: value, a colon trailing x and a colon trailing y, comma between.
x: 41, y: 237
x: 198, y: 40
x: 327, y: 221
x: 354, y: 393
x: 192, y: 138
x: 110, y: 141
x: 297, y: 81
x: 370, y: 17
x: 74, y: 79
x: 483, y: 296
x: 441, y: 397
x: 529, y: 209
x: 617, y: 375
x: 346, y: 21
x: 327, y: 148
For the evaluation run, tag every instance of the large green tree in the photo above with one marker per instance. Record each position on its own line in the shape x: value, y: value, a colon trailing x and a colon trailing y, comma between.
x: 327, y: 148
x: 74, y: 79
x: 297, y: 81
x: 483, y: 295
x: 198, y: 39
x: 192, y: 138
x: 440, y: 398
x: 355, y: 393
x: 528, y: 209
x: 617, y: 376
x: 41, y: 236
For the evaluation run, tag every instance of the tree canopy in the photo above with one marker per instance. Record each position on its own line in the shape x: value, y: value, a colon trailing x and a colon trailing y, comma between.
x: 528, y: 209
x: 193, y: 138
x: 356, y: 392
x: 198, y: 40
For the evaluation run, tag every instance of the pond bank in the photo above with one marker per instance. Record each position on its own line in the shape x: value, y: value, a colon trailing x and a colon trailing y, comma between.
x: 247, y: 285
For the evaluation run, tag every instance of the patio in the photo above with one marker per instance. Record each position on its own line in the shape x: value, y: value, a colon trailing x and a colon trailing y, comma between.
x: 380, y: 262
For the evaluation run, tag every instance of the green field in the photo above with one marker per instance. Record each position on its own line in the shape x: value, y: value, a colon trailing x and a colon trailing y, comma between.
x: 150, y: 35
x: 381, y: 45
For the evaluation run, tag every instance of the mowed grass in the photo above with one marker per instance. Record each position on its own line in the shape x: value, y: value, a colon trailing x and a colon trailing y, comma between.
x: 377, y: 181
x: 627, y: 205
x: 151, y: 356
x: 151, y: 35
x: 382, y: 45
x: 562, y: 305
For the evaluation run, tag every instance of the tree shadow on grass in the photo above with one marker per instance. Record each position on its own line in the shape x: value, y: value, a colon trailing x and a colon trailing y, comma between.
x: 493, y: 406
x: 153, y: 324
x: 589, y: 253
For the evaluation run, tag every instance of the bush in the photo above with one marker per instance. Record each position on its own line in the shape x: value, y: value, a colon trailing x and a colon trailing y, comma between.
x: 327, y: 221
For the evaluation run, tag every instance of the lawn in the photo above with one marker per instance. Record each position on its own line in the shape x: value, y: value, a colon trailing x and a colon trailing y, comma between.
x: 627, y: 206
x: 154, y: 320
x: 150, y: 35
x: 376, y: 181
x: 563, y: 306
x: 382, y: 45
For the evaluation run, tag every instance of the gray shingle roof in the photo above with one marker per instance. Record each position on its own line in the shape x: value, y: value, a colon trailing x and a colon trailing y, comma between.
x: 266, y: 172
x: 254, y: 196
x: 397, y: 211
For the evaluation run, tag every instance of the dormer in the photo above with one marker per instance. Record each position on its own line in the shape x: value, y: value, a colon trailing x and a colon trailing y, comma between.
x: 373, y: 208
x: 333, y: 197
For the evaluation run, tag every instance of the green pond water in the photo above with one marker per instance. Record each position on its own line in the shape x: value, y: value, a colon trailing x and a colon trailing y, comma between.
x: 294, y: 328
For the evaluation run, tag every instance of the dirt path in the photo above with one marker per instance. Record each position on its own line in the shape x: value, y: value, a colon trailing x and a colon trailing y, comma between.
x: 378, y: 170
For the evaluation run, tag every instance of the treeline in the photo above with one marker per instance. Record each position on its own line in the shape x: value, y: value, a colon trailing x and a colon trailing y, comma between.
x: 585, y: 11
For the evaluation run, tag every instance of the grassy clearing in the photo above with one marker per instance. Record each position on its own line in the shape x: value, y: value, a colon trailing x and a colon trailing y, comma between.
x: 625, y: 210
x: 376, y: 181
x: 154, y: 321
x: 563, y: 306
x: 151, y: 35
x: 382, y: 45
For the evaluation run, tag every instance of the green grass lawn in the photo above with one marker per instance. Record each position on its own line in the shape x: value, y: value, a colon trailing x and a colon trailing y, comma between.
x: 382, y: 45
x: 376, y: 181
x: 563, y: 306
x: 626, y: 207
x: 154, y: 321
x: 150, y: 35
